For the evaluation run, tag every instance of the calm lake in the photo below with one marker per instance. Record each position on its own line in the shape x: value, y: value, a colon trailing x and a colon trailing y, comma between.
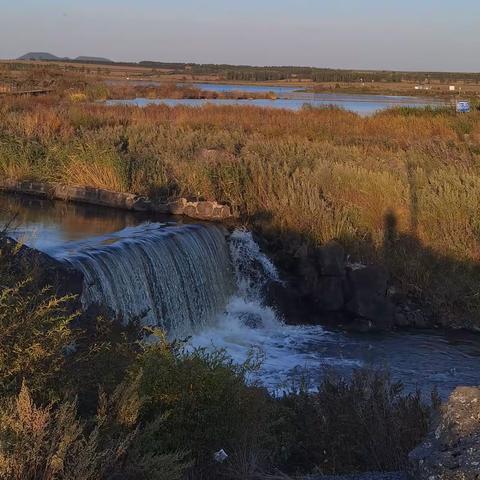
x: 291, y: 98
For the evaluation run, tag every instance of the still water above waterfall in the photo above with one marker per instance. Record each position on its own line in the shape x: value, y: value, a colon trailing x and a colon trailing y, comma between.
x: 194, y: 281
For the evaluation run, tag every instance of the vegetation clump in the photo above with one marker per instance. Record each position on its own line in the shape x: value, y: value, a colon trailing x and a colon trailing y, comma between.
x: 90, y: 400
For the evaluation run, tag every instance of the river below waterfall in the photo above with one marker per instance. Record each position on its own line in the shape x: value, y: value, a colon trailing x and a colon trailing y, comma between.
x: 197, y: 282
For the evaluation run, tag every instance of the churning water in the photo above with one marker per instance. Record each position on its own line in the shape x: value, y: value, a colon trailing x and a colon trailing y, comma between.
x: 303, y: 353
x: 196, y: 282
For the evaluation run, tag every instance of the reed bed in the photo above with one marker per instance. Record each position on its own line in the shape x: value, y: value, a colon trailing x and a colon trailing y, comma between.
x: 316, y: 174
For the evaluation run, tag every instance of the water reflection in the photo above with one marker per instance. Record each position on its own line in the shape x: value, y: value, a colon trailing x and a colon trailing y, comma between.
x: 289, y: 98
x: 47, y: 225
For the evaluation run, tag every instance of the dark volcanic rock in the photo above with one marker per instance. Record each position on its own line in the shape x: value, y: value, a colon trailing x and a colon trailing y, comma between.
x: 367, y: 296
x: 329, y: 294
x: 42, y: 269
x: 452, y: 449
x: 287, y: 300
x: 407, y: 314
x: 331, y: 259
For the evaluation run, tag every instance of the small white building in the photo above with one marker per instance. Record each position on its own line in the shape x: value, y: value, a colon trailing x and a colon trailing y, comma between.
x: 452, y: 88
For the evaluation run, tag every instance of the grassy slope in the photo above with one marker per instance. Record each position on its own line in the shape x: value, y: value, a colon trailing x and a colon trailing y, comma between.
x: 400, y: 187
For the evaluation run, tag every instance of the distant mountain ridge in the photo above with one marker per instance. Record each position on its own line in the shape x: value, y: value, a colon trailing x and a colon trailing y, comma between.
x: 49, y: 56
x: 39, y: 56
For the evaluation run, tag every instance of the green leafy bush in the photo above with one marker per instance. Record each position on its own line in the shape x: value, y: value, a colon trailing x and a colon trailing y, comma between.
x: 205, y: 402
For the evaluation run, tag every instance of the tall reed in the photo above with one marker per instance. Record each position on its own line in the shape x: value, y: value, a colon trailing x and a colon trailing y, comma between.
x: 319, y: 173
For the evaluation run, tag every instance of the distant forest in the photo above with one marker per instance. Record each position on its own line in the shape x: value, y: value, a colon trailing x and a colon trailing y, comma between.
x: 258, y: 74
x: 262, y: 74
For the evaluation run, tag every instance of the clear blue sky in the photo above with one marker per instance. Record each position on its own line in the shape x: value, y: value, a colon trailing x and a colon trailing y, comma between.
x: 390, y: 34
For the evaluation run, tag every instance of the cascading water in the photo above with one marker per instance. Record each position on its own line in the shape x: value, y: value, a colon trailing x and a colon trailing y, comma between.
x: 191, y: 280
x: 176, y: 278
x: 293, y: 353
x: 252, y: 271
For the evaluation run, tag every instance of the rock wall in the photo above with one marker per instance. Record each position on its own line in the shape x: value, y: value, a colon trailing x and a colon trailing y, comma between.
x: 202, y: 210
x: 321, y: 283
x: 452, y: 449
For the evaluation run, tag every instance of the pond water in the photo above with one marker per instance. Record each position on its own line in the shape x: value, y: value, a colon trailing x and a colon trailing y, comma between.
x: 230, y: 87
x: 291, y: 98
x: 192, y: 272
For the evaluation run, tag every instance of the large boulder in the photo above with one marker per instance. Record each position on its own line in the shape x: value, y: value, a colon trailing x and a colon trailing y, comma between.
x: 329, y: 295
x: 408, y: 314
x: 452, y: 449
x: 329, y: 287
x: 322, y: 272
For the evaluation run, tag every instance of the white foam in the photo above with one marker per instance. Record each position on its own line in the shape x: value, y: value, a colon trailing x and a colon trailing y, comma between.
x: 249, y: 326
x: 286, y: 350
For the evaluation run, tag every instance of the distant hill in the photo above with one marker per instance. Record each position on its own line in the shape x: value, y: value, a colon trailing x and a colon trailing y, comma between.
x: 38, y: 56
x: 49, y: 56
x: 92, y: 59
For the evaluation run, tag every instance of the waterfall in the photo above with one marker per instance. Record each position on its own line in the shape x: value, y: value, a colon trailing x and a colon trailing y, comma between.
x: 174, y: 277
x: 253, y: 269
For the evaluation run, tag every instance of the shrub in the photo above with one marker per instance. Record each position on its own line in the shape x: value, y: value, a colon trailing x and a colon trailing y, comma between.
x: 77, y: 97
x: 363, y: 424
x: 205, y: 403
x: 34, y: 334
x: 47, y: 443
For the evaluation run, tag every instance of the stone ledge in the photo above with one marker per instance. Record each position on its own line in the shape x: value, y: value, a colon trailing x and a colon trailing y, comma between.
x: 202, y: 210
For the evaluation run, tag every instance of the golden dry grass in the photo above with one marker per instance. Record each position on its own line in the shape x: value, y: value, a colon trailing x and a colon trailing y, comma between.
x: 321, y: 174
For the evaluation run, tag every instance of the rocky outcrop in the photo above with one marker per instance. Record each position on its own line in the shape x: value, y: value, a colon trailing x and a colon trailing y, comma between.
x: 322, y: 272
x: 367, y: 301
x: 202, y: 210
x: 408, y: 314
x: 452, y: 449
x: 322, y: 284
x: 43, y: 270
